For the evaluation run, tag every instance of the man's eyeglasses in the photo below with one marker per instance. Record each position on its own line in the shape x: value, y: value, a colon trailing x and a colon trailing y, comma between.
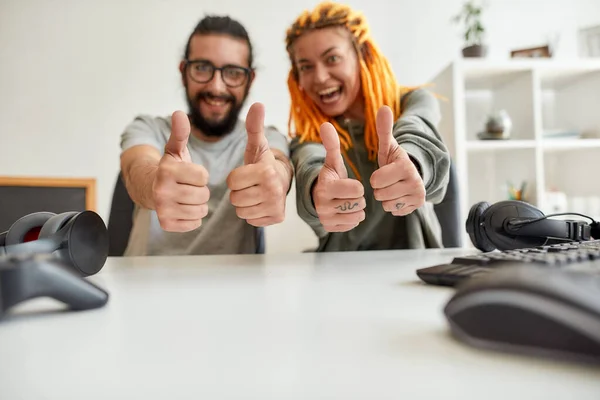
x: 203, y: 71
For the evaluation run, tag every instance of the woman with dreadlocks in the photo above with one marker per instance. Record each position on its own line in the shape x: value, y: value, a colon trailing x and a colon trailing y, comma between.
x: 369, y: 161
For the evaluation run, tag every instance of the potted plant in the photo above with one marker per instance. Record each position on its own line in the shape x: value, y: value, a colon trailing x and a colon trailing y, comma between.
x: 470, y: 16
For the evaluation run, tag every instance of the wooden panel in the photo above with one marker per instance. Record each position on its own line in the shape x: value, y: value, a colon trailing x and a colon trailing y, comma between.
x: 20, y: 196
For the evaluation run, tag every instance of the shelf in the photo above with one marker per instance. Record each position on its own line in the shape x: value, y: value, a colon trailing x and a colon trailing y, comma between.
x: 555, y: 77
x: 569, y: 106
x: 489, y: 73
x: 491, y: 145
x: 488, y: 174
x: 515, y: 96
x: 570, y: 144
x: 547, y: 144
x: 483, y: 74
x: 542, y: 97
x: 572, y: 175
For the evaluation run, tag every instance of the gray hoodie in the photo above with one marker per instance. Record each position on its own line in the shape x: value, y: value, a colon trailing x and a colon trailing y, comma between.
x: 416, y: 132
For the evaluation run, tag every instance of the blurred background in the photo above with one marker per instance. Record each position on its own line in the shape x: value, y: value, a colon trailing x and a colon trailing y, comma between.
x: 74, y: 73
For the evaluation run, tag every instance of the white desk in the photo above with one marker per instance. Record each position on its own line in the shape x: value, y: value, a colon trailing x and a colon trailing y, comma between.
x: 306, y: 326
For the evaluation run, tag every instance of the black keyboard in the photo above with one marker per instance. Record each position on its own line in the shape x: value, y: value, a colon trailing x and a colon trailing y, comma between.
x: 570, y: 255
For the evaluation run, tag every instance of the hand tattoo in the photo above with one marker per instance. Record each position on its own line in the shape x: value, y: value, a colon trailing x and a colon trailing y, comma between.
x: 347, y: 206
x: 399, y: 205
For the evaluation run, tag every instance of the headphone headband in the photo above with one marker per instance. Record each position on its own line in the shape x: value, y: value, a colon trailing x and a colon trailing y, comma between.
x: 552, y: 229
x: 40, y: 246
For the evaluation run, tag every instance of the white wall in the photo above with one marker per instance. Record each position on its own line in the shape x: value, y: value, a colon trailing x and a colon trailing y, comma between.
x: 73, y: 73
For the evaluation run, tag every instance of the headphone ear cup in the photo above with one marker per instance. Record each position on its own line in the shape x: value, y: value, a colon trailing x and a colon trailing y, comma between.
x: 55, y: 223
x: 474, y: 228
x: 86, y: 240
x: 26, y: 225
x: 502, y: 211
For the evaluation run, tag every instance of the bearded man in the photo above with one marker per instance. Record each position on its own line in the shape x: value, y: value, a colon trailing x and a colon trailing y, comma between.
x: 206, y: 182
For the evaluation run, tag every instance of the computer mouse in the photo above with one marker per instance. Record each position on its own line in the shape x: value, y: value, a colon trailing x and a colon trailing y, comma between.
x: 535, y: 310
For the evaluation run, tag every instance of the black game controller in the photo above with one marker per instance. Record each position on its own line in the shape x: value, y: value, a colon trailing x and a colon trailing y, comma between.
x: 25, y: 277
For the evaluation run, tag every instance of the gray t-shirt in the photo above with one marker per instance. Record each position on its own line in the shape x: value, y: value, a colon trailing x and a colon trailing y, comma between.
x: 222, y: 231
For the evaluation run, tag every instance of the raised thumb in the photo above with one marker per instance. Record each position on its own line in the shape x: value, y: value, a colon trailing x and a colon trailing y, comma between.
x: 333, y: 157
x: 180, y: 133
x: 387, y: 143
x: 257, y: 143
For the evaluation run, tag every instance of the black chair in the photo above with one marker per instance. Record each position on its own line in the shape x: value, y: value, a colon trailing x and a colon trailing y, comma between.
x: 120, y: 222
x: 448, y: 213
x: 120, y: 219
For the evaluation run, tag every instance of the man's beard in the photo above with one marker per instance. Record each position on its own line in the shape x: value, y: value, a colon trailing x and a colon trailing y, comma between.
x: 212, y: 128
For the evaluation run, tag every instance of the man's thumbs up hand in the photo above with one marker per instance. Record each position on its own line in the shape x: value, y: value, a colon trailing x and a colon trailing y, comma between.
x: 259, y: 187
x: 257, y: 147
x: 339, y: 201
x: 176, y: 146
x: 397, y: 183
x: 179, y: 190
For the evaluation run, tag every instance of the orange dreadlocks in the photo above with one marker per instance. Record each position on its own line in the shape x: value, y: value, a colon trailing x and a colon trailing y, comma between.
x: 378, y: 83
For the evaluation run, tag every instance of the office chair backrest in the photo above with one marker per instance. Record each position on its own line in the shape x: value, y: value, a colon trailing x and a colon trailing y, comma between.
x: 448, y: 213
x: 120, y: 219
x: 120, y: 222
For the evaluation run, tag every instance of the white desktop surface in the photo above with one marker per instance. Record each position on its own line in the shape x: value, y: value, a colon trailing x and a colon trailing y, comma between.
x: 297, y: 326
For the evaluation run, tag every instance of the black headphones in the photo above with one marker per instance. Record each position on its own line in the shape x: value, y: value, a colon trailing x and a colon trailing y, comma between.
x: 79, y: 239
x: 513, y: 224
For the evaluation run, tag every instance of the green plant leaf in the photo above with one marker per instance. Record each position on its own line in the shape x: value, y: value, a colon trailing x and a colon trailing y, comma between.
x: 470, y: 15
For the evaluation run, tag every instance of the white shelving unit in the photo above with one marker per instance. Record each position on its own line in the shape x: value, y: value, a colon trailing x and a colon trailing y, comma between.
x: 540, y: 96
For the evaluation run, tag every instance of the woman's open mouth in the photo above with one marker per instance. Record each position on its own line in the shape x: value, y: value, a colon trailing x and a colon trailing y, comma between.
x: 330, y: 95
